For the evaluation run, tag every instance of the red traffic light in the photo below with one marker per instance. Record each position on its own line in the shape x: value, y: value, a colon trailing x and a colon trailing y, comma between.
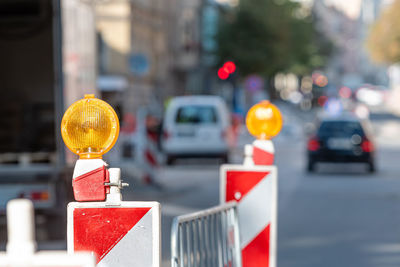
x: 230, y: 67
x: 223, y: 73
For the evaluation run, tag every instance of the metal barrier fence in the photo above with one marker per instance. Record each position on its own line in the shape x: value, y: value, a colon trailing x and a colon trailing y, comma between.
x: 207, y: 238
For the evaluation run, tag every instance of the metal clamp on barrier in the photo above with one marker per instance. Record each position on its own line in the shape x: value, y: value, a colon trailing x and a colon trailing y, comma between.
x: 207, y: 238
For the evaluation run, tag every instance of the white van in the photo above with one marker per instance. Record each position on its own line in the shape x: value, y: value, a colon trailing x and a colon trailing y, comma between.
x: 196, y: 126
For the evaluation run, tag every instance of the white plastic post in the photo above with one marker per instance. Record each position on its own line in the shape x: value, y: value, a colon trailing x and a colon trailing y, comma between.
x: 21, y: 246
x: 248, y: 155
x: 115, y: 195
x: 20, y: 227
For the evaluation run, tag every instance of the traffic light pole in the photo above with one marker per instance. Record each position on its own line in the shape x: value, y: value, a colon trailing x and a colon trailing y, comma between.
x: 235, y: 91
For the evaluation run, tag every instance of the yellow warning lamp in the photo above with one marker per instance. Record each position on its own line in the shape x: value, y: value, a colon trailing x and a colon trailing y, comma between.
x: 90, y: 127
x: 264, y: 120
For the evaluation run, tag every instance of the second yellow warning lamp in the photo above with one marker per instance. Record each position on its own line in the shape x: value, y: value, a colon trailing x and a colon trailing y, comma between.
x: 264, y: 121
x: 90, y: 128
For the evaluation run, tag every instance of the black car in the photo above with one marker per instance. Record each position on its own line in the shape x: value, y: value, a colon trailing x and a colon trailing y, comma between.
x: 341, y: 140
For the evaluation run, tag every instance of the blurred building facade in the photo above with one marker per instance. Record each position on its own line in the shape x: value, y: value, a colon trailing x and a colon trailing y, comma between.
x: 341, y: 31
x: 150, y: 50
x: 193, y: 45
x: 133, y: 52
x: 350, y: 64
x: 185, y: 44
x: 369, y: 12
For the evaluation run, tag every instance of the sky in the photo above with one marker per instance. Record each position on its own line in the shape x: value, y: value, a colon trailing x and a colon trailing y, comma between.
x: 350, y: 7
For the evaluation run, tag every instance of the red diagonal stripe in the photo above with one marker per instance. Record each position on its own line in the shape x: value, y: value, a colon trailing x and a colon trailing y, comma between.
x: 256, y: 253
x: 262, y: 157
x: 100, y: 229
x: 241, y: 182
x: 151, y: 158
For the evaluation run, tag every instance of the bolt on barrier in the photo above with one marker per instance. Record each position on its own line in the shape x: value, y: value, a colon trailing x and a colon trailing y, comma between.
x: 207, y: 238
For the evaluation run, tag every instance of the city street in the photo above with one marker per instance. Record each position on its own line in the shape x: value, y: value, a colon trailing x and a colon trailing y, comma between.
x: 339, y: 216
x: 97, y: 94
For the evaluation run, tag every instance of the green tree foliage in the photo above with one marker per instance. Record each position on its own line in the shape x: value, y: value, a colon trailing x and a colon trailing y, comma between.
x: 266, y: 36
x: 383, y: 42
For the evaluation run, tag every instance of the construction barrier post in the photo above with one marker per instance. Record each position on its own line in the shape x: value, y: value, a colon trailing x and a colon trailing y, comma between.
x: 119, y: 233
x: 21, y: 246
x: 254, y: 186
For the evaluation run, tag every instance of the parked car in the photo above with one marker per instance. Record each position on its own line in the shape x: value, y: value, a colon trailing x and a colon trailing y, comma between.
x: 343, y: 140
x: 196, y: 126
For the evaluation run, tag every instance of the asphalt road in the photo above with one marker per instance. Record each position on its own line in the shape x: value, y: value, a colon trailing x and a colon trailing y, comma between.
x: 341, y: 215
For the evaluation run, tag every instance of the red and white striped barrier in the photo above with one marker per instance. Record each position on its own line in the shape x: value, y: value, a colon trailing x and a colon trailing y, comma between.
x: 127, y: 234
x: 151, y: 161
x: 21, y: 246
x: 255, y: 190
x: 147, y: 155
x: 120, y: 233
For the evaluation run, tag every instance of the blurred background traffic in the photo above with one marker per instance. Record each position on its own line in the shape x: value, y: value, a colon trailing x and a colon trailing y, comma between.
x: 181, y: 75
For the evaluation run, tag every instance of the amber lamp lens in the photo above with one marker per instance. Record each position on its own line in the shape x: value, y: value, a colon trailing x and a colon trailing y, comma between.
x: 264, y: 120
x: 90, y: 127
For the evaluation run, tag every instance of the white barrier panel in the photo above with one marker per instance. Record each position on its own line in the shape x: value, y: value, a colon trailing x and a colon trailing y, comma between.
x: 21, y: 245
x: 120, y: 234
x: 255, y: 190
x: 206, y: 238
x: 48, y: 259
